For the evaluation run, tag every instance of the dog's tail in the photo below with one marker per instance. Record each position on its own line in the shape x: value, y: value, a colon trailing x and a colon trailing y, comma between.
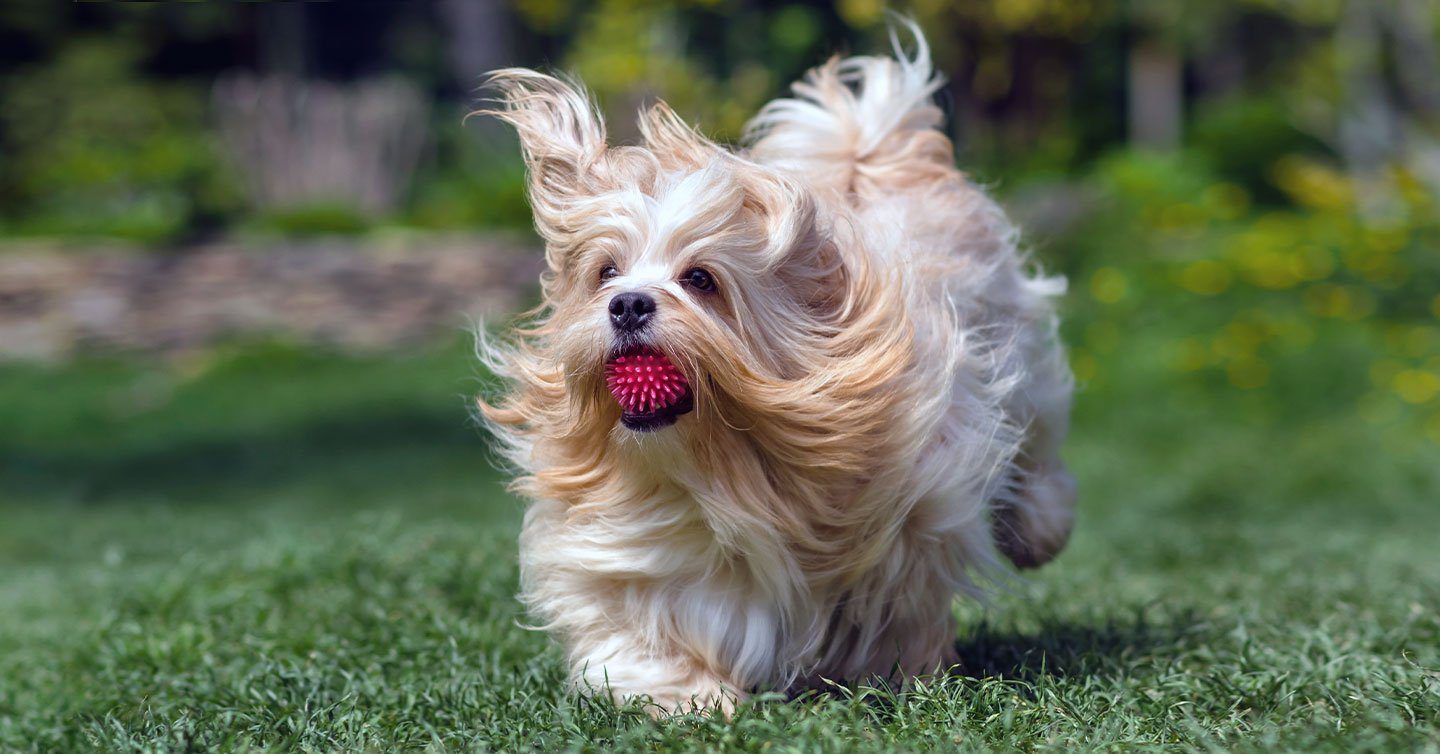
x: 862, y: 124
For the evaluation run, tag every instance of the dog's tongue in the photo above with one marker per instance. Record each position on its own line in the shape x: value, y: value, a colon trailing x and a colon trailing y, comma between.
x: 644, y: 381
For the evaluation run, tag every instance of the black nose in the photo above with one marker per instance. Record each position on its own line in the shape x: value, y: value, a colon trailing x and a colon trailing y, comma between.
x: 630, y: 311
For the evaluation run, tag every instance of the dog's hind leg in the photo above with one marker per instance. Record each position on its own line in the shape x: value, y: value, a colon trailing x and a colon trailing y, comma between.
x: 1031, y: 519
x: 1033, y: 524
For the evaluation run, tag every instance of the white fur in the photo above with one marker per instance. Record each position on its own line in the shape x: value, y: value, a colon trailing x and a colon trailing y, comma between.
x: 854, y: 461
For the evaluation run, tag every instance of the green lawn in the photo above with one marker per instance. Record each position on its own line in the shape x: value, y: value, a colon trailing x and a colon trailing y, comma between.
x: 276, y: 550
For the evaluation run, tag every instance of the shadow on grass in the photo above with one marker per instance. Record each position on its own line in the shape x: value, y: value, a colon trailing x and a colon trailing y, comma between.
x: 1068, y: 650
x: 1058, y: 650
x: 390, y: 447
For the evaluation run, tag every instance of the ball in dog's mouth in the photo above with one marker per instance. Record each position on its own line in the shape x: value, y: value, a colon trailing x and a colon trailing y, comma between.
x: 651, y: 391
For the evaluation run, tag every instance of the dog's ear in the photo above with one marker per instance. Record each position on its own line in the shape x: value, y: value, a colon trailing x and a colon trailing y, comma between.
x: 672, y: 140
x: 561, y: 134
x: 803, y: 255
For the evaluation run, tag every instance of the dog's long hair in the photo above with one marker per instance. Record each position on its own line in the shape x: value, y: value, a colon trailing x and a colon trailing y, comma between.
x: 878, y: 392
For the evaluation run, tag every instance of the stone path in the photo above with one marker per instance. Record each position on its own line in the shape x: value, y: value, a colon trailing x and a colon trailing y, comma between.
x: 56, y: 303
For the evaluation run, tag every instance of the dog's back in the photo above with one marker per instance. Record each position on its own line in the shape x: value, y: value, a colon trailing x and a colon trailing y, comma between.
x: 863, y: 133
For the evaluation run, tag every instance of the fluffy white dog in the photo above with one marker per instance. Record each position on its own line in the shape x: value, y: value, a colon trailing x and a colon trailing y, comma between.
x: 779, y: 405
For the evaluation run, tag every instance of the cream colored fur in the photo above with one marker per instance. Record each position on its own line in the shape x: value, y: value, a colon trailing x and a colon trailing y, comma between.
x: 879, y: 393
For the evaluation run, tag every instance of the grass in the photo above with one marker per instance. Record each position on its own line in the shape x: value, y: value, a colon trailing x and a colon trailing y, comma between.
x: 267, y: 549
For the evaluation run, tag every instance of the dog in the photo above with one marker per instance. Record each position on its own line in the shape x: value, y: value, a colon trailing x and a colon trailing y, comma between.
x: 781, y: 404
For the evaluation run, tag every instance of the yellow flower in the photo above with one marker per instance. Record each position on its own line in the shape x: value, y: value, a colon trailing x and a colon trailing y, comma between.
x: 1177, y: 217
x: 543, y: 14
x: 1226, y: 200
x: 1206, y: 277
x: 1312, y: 263
x: 1272, y: 269
x: 1313, y: 184
x: 1239, y: 341
x: 1340, y: 301
x: 1018, y: 14
x: 1109, y: 285
x: 860, y: 13
x: 1416, y: 385
x: 1383, y: 371
x: 1248, y: 373
x: 1189, y: 355
x: 1387, y: 240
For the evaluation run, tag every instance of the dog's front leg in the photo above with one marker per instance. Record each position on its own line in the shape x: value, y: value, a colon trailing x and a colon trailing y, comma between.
x: 630, y: 629
x: 627, y: 669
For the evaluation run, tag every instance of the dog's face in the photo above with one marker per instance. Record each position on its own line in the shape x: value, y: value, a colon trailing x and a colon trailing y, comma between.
x: 681, y: 278
x: 675, y: 286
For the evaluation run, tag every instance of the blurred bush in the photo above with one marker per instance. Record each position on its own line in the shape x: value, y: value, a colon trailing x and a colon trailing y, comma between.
x: 1308, y: 309
x: 1242, y: 192
x: 1242, y: 135
x: 94, y: 148
x: 472, y: 178
x: 312, y: 218
x: 714, y: 61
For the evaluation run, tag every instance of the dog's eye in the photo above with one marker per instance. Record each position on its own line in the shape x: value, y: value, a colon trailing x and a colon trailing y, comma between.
x: 608, y: 271
x: 700, y: 280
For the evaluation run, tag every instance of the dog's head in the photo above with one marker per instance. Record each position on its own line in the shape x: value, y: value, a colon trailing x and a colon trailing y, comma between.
x: 681, y: 277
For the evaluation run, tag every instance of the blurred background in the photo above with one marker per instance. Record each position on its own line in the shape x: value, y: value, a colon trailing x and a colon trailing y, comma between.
x: 242, y: 247
x: 1242, y: 193
x: 1256, y: 177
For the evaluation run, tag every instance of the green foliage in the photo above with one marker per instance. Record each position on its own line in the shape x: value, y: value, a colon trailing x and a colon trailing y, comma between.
x: 313, y: 220
x: 1265, y: 300
x: 715, y: 61
x: 93, y: 148
x: 105, y: 130
x: 476, y: 179
x: 1242, y: 137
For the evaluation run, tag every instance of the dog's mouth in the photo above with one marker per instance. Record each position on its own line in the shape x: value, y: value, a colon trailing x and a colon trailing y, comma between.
x: 652, y: 392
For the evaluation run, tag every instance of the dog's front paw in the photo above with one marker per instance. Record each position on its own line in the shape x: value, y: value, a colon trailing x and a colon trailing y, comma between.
x: 665, y: 686
x: 720, y: 700
x: 703, y: 695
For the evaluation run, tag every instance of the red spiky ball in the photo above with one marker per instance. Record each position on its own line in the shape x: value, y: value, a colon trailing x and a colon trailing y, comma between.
x: 644, y: 381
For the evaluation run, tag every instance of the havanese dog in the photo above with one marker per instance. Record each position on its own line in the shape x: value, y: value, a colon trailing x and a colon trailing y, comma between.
x: 780, y: 404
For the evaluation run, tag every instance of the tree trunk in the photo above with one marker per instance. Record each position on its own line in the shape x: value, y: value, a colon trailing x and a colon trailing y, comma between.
x: 1155, y: 105
x: 477, y: 39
